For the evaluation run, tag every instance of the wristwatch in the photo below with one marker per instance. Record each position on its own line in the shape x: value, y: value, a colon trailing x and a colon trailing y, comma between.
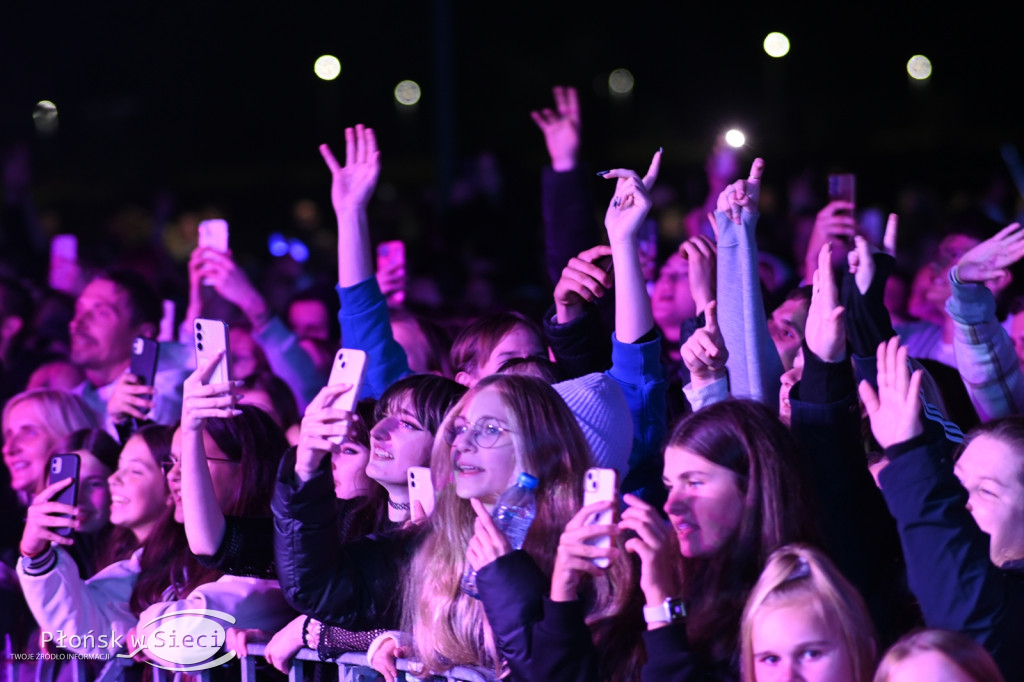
x: 669, y: 611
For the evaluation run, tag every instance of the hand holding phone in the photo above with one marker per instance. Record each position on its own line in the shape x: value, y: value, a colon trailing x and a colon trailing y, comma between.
x: 213, y: 234
x: 64, y: 467
x: 211, y: 338
x: 599, y: 485
x: 349, y: 368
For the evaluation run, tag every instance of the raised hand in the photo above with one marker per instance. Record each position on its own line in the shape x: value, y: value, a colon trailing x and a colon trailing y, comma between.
x: 352, y: 185
x: 658, y: 548
x: 323, y: 429
x: 220, y: 271
x: 825, y: 332
x: 488, y: 543
x: 702, y: 254
x: 895, y: 409
x: 575, y: 557
x: 581, y: 282
x: 742, y: 195
x: 201, y: 401
x: 704, y: 353
x: 631, y: 202
x: 130, y: 398
x: 989, y: 260
x: 44, y: 515
x: 561, y: 128
x: 861, y: 258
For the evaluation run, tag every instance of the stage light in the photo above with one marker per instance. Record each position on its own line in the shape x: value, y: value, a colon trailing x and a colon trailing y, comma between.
x: 44, y: 116
x: 621, y: 81
x: 735, y: 138
x: 919, y: 67
x: 776, y: 44
x: 408, y: 93
x: 327, y: 67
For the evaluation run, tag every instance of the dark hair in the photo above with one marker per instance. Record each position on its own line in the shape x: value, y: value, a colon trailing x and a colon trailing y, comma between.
x: 1009, y: 430
x: 478, y: 339
x: 96, y: 441
x: 327, y: 298
x: 748, y: 439
x: 258, y: 443
x: 542, y: 368
x: 145, y: 304
x: 369, y: 514
x: 802, y: 293
x: 282, y: 400
x: 431, y: 397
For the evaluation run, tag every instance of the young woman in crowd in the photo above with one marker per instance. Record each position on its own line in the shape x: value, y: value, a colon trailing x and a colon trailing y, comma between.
x: 803, y: 620
x: 505, y: 425
x: 961, y: 522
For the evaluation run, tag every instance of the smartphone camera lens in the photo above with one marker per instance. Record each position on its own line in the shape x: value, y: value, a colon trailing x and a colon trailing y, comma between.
x: 199, y: 336
x: 199, y: 327
x: 199, y: 346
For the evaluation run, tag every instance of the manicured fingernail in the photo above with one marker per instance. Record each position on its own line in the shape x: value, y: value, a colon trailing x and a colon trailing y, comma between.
x: 236, y: 412
x: 661, y: 149
x: 603, y: 173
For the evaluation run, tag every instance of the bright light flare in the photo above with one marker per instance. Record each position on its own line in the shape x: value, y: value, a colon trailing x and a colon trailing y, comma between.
x: 408, y: 93
x: 919, y: 67
x: 327, y: 67
x: 44, y: 116
x: 776, y: 44
x: 621, y: 81
x: 735, y: 138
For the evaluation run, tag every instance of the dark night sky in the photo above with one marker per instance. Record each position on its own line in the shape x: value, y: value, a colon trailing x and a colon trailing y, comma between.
x: 218, y: 101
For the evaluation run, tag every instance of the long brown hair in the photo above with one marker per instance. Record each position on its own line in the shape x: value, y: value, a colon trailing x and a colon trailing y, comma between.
x: 747, y: 438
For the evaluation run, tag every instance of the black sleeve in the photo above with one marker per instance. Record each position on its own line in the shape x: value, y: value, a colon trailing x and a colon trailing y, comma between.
x: 867, y: 319
x: 581, y: 347
x: 568, y: 211
x: 246, y: 550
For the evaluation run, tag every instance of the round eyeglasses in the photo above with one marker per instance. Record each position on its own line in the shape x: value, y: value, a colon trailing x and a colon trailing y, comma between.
x: 484, y: 434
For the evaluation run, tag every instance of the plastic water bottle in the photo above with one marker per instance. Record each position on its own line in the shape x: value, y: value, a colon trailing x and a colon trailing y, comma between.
x: 513, y: 514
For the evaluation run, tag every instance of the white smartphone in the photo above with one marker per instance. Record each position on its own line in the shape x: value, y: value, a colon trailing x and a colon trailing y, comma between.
x: 599, y: 485
x: 213, y: 234
x: 349, y: 368
x: 421, y: 488
x: 211, y: 337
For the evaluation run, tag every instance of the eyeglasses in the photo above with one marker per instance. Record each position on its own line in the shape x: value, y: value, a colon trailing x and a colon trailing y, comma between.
x: 174, y: 460
x: 483, y: 434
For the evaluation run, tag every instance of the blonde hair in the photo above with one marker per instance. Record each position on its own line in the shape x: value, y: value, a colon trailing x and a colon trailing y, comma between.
x: 962, y: 652
x: 801, y: 573
x: 449, y: 627
x: 62, y: 413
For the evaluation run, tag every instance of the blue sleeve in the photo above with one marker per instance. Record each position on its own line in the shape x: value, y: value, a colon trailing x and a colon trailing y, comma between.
x: 755, y: 368
x: 637, y: 368
x: 365, y: 326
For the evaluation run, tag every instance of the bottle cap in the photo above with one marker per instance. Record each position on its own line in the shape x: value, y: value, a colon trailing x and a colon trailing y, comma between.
x: 527, y: 481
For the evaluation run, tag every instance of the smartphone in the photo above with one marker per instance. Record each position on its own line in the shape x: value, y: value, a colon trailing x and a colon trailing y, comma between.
x: 62, y: 467
x: 145, y: 353
x: 599, y: 485
x: 213, y: 234
x: 349, y: 368
x: 211, y: 337
x: 421, y: 488
x: 842, y: 187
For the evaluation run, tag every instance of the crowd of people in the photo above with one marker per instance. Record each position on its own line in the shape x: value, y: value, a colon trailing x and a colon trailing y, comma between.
x: 820, y: 465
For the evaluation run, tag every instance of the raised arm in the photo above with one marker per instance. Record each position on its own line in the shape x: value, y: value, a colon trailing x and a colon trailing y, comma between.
x: 985, y: 355
x: 754, y: 364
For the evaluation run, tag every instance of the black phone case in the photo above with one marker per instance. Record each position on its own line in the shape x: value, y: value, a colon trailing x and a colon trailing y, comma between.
x: 145, y: 353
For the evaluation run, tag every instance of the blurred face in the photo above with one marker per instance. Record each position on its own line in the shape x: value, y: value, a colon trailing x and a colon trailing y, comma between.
x: 484, y: 455
x: 349, y: 470
x: 951, y: 249
x: 93, y: 493
x: 672, y: 303
x: 101, y: 330
x: 521, y: 342
x: 259, y: 398
x: 28, y: 444
x: 138, y: 491
x: 309, y: 320
x: 1017, y: 335
x: 991, y: 471
x: 927, y: 665
x: 397, y: 442
x: 790, y: 378
x: 705, y: 504
x: 792, y: 642
x: 786, y: 327
x: 246, y: 355
x: 224, y: 473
